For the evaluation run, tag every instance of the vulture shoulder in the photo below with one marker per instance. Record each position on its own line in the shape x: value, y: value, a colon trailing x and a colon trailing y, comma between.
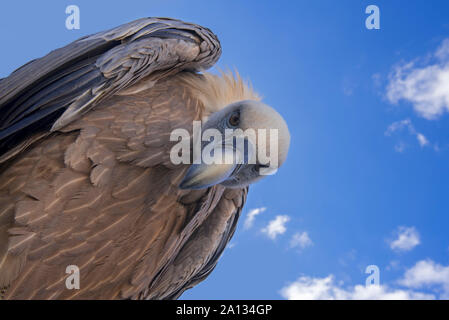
x: 85, y: 177
x: 48, y: 93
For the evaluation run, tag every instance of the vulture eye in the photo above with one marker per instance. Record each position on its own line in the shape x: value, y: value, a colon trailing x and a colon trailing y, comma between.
x: 234, y: 119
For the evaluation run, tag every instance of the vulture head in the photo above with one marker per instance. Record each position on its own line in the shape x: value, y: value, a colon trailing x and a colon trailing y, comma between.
x: 240, y: 144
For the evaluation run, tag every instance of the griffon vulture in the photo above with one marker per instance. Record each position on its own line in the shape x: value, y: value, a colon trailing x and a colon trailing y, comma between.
x: 86, y: 177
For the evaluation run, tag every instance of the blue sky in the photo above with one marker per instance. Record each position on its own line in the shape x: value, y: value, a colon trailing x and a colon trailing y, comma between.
x: 365, y: 182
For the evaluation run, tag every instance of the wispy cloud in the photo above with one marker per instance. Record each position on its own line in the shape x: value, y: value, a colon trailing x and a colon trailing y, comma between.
x: 308, y: 288
x: 400, y: 125
x: 251, y: 217
x: 276, y: 226
x: 393, y: 265
x: 400, y: 147
x: 407, y: 239
x: 377, y: 79
x: 348, y: 87
x: 425, y: 86
x: 231, y: 245
x: 348, y: 258
x: 300, y: 240
x: 422, y: 139
x: 407, y: 125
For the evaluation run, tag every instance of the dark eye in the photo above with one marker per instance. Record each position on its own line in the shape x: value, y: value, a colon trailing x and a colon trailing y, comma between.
x: 234, y: 119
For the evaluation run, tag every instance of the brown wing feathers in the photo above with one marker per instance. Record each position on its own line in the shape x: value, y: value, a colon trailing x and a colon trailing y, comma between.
x: 100, y: 192
x: 57, y: 89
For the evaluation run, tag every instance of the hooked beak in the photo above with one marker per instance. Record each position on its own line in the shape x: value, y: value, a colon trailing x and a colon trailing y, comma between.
x: 204, y: 175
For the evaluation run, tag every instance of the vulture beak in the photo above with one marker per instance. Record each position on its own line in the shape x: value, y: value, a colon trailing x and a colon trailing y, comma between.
x: 208, y: 173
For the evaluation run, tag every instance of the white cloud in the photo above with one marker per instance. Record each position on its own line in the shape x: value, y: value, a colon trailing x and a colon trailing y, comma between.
x: 427, y: 273
x: 251, y: 216
x: 442, y: 52
x: 426, y: 87
x: 307, y: 288
x: 407, y: 239
x: 399, y: 125
x: 300, y: 240
x: 422, y: 139
x: 276, y: 227
x: 406, y: 124
x: 425, y: 280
